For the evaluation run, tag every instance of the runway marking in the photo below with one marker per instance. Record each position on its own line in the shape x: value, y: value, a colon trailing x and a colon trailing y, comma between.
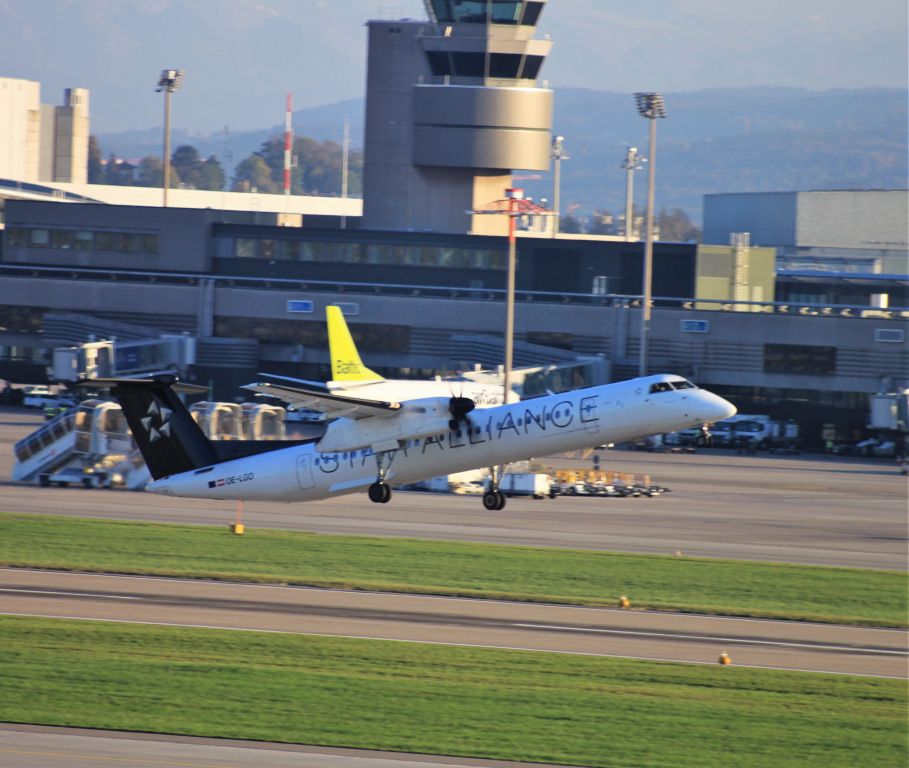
x: 69, y: 756
x: 451, y: 645
x: 71, y: 593
x: 709, y: 638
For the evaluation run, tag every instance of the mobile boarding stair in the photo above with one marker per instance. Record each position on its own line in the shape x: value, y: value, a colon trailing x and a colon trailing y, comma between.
x: 88, y: 445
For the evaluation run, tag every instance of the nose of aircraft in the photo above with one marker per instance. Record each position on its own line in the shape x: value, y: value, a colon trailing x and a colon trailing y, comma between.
x: 717, y: 408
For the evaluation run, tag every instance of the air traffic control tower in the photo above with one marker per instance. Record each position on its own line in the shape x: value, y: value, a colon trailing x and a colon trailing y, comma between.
x: 452, y: 107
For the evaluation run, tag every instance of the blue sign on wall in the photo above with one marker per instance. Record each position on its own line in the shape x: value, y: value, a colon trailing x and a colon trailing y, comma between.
x: 348, y: 308
x: 695, y: 326
x: 299, y: 305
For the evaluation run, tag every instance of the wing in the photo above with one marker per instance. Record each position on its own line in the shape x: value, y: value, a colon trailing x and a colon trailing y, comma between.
x: 324, y: 401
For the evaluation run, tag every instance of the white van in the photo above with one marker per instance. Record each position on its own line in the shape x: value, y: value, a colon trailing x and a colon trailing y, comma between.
x: 42, y: 397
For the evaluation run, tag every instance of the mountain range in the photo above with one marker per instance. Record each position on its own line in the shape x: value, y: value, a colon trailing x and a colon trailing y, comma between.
x: 714, y: 140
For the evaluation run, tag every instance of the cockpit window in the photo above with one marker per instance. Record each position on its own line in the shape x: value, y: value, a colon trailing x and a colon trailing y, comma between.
x: 683, y: 385
x: 660, y: 386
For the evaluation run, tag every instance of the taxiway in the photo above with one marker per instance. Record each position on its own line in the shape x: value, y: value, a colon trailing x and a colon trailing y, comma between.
x: 456, y: 621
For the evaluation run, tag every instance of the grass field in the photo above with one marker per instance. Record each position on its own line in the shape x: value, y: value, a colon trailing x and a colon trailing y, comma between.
x: 737, y: 588
x: 441, y: 700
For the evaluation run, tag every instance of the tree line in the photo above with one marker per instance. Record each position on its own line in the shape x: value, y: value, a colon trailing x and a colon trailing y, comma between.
x: 673, y: 225
x: 317, y: 169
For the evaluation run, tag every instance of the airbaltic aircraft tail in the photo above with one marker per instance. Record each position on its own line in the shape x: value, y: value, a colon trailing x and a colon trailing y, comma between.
x: 346, y: 364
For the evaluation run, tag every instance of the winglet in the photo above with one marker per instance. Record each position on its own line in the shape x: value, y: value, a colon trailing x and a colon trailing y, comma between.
x: 345, y: 360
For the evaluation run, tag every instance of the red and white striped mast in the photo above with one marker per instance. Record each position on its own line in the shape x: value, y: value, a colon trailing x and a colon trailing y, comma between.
x: 288, y: 143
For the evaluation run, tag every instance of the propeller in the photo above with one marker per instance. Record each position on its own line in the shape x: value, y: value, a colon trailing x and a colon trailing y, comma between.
x: 459, y: 406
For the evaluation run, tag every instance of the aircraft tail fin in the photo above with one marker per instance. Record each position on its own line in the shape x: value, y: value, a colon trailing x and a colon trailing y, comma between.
x: 345, y: 360
x: 170, y: 441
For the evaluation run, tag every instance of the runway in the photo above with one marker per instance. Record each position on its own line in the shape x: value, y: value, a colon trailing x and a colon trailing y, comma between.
x: 36, y: 746
x: 453, y: 621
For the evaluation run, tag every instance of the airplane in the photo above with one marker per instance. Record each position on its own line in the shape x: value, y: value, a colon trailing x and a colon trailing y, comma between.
x: 351, y: 377
x: 375, y: 445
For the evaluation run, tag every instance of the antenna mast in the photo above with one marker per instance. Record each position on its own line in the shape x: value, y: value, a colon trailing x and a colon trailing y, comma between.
x: 288, y: 142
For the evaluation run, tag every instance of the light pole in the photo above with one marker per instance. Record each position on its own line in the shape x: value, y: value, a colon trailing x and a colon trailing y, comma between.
x: 170, y: 81
x: 651, y: 106
x: 633, y: 162
x: 558, y: 155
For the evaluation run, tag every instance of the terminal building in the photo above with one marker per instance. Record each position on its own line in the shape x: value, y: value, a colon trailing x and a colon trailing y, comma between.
x: 421, y: 278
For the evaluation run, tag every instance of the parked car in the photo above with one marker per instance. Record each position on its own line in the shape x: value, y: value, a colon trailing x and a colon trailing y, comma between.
x: 876, y: 447
x: 43, y: 398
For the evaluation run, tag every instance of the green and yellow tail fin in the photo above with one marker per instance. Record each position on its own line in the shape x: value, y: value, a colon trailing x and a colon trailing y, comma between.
x: 345, y: 360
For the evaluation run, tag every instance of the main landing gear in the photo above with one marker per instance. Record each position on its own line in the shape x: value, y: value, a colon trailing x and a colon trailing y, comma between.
x: 380, y: 491
x: 494, y: 499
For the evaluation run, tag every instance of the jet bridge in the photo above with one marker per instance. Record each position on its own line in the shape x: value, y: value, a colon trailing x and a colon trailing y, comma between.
x: 114, y: 358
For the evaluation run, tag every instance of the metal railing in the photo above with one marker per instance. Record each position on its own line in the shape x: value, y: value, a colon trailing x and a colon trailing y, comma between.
x: 623, y: 301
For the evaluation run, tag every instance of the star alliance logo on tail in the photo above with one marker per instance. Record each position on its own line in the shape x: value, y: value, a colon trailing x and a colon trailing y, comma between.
x: 156, y: 422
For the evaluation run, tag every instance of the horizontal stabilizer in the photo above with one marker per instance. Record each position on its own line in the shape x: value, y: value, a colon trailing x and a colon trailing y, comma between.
x: 157, y: 381
x: 302, y: 383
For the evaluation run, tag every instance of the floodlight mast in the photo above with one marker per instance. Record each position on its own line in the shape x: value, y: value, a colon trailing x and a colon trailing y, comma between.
x: 558, y: 155
x: 633, y: 162
x: 169, y: 82
x: 650, y: 106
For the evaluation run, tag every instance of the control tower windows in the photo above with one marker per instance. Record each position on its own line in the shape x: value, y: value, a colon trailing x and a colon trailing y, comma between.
x: 532, y: 14
x: 439, y: 63
x: 469, y: 64
x: 460, y: 11
x: 506, y: 11
x: 501, y: 65
x: 532, y: 66
x: 504, y: 65
x: 486, y: 11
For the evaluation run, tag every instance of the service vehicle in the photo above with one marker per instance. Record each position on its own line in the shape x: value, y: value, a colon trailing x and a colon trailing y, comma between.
x: 533, y: 484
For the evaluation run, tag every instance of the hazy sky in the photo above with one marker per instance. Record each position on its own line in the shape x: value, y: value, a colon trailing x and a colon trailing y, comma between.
x: 242, y: 56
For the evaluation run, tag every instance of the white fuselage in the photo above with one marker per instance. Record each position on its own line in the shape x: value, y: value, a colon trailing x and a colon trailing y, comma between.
x: 494, y: 436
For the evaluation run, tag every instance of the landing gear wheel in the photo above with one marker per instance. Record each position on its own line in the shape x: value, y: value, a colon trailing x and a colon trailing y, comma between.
x: 494, y: 501
x: 379, y: 493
